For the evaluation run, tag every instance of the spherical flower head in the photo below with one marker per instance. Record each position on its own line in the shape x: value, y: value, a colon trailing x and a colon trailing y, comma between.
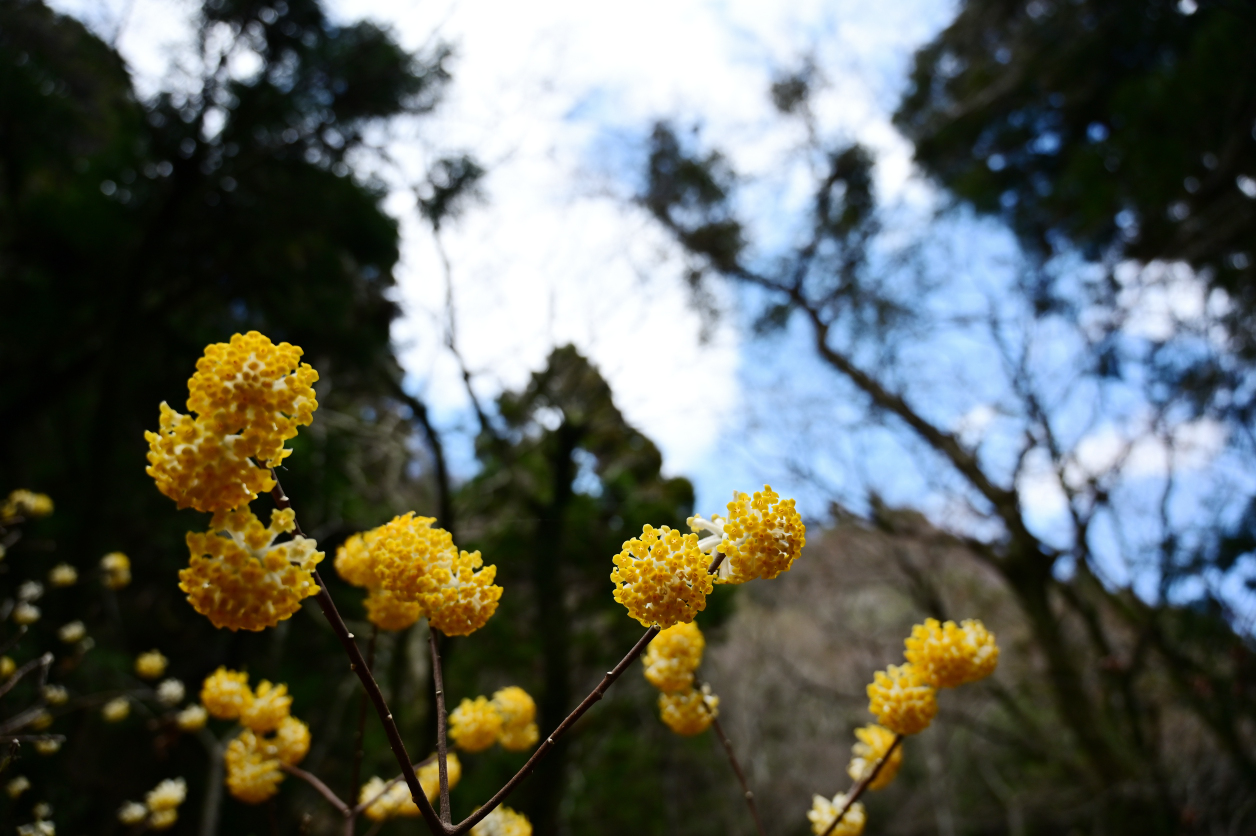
x: 25, y: 613
x: 17, y: 786
x: 503, y: 821
x: 386, y: 800
x: 673, y: 656
x: 465, y: 596
x: 167, y: 795
x: 116, y: 710
x: 115, y: 570
x: 257, y: 389
x: 763, y: 536
x: 474, y: 725
x: 901, y: 700
x: 132, y: 813
x: 823, y: 812
x: 200, y: 468
x: 192, y: 718
x: 24, y: 503
x: 48, y: 746
x: 354, y: 562
x: 252, y: 776
x: 292, y: 741
x: 268, y: 708
x: 948, y: 655
x: 388, y: 612
x: 40, y: 721
x: 661, y: 577
x: 225, y: 694
x: 150, y: 665
x: 70, y: 633
x: 55, y: 694
x: 7, y: 667
x: 429, y: 778
x: 162, y: 819
x: 30, y: 591
x: 873, y: 744
x: 240, y: 579
x: 63, y: 574
x: 689, y: 712
x: 518, y: 711
x: 170, y: 692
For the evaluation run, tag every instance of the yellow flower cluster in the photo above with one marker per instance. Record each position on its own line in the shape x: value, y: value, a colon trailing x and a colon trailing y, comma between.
x: 761, y: 537
x: 824, y: 811
x: 115, y: 570
x: 150, y: 665
x: 673, y: 656
x: 411, y: 569
x: 948, y: 655
x: 902, y: 701
x: 249, y: 396
x: 661, y: 577
x: 689, y: 712
x: 160, y: 809
x: 392, y: 798
x: 63, y: 574
x: 253, y: 759
x: 503, y: 821
x: 874, y: 743
x: 24, y: 503
x: 509, y: 718
x: 240, y: 579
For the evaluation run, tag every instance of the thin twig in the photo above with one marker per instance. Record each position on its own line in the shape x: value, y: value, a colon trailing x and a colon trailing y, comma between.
x: 441, y: 757
x: 741, y: 776
x: 44, y: 660
x: 356, y: 774
x: 358, y: 665
x: 862, y: 785
x: 314, y: 781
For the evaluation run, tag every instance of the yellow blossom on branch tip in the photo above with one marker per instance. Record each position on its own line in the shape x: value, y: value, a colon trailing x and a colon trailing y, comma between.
x: 823, y: 812
x: 115, y: 570
x: 253, y: 776
x: 7, y: 667
x: 429, y: 779
x: 63, y: 574
x: 902, y: 701
x: 24, y: 503
x: 167, y: 795
x: 116, y: 710
x: 384, y: 609
x: 761, y: 538
x: 17, y: 786
x: 71, y: 632
x: 518, y: 711
x: 874, y: 741
x: 170, y: 692
x: 503, y: 821
x: 48, y: 746
x: 226, y: 693
x: 25, y: 613
x: 162, y: 819
x: 661, y: 577
x: 689, y: 712
x: 673, y: 656
x: 474, y: 725
x: 948, y: 655
x: 239, y: 578
x: 252, y: 387
x: 132, y: 812
x: 192, y: 718
x: 268, y: 708
x: 199, y: 468
x: 354, y: 562
x: 386, y: 801
x: 150, y: 665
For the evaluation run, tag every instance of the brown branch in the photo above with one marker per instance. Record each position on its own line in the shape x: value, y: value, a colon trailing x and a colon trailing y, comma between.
x: 44, y: 660
x: 442, y: 765
x: 356, y: 774
x: 862, y: 785
x: 358, y: 665
x: 741, y: 776
x: 364, y: 804
x: 314, y: 781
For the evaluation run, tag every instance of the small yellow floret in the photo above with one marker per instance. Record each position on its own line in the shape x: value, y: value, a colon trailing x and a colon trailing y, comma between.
x: 162, y: 819
x: 518, y: 711
x: 192, y: 718
x: 902, y: 701
x: 503, y: 821
x: 948, y: 655
x: 24, y: 503
x: 291, y: 741
x: 661, y: 577
x: 150, y: 665
x: 384, y: 609
x: 429, y: 779
x: 268, y: 708
x: 763, y: 536
x: 253, y: 776
x: 167, y: 795
x: 200, y: 468
x: 7, y: 667
x: 689, y: 712
x: 386, y: 800
x: 171, y: 692
x: 226, y: 693
x: 132, y: 812
x: 115, y: 570
x: 874, y: 742
x: 116, y: 710
x: 25, y: 613
x: 673, y: 656
x: 257, y: 389
x: 55, y: 694
x: 239, y: 579
x: 63, y: 574
x: 40, y: 721
x: 474, y: 725
x: 48, y: 746
x: 824, y: 811
x: 17, y: 786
